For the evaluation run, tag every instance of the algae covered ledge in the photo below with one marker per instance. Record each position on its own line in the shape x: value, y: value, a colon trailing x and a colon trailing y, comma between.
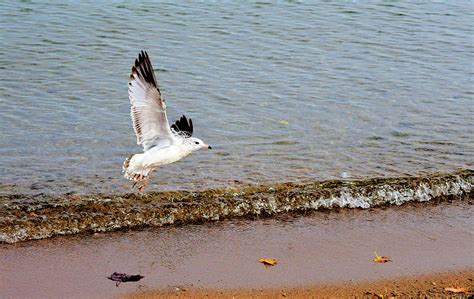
x: 27, y: 218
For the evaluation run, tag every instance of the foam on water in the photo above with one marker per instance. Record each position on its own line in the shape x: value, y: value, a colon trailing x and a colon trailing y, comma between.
x: 26, y: 218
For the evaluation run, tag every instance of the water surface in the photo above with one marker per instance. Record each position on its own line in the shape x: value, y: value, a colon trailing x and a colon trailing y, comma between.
x: 283, y: 92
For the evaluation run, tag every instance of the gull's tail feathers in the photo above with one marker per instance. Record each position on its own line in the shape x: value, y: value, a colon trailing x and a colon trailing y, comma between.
x: 133, y: 167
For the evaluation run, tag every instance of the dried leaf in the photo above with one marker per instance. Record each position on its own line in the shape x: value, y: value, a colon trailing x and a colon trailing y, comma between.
x: 456, y: 290
x: 268, y: 262
x: 381, y: 259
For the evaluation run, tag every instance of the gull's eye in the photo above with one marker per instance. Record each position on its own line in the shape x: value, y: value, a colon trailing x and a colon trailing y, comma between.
x: 197, y: 142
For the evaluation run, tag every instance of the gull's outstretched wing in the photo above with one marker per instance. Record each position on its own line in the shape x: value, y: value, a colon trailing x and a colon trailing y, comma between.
x: 148, y: 106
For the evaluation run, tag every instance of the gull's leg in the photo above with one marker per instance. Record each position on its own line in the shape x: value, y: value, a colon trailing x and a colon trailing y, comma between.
x: 145, y: 182
x: 136, y: 179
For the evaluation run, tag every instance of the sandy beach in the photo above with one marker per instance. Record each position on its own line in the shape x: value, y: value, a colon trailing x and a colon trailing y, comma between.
x: 433, y: 285
x: 315, y: 252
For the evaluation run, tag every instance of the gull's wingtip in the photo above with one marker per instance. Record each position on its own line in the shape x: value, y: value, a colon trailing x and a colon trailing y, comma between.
x: 143, y: 55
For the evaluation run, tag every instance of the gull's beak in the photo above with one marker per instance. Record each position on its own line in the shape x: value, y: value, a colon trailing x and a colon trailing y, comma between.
x: 209, y: 147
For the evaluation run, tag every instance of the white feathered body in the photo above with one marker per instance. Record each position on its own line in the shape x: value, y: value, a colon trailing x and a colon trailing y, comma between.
x: 142, y: 164
x: 161, y: 156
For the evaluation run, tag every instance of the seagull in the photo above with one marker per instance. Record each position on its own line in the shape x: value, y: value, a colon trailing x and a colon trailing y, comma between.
x: 162, y: 144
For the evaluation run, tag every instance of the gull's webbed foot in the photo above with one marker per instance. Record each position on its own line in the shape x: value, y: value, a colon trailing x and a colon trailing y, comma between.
x: 142, y: 186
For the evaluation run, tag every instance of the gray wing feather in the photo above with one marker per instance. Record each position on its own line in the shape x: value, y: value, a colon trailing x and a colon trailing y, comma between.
x: 148, y: 110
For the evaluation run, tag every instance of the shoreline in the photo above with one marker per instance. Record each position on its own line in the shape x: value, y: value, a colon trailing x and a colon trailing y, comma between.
x: 41, y: 217
x: 317, y: 249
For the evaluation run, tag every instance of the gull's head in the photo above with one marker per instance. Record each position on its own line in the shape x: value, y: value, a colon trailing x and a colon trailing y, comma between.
x: 198, y: 144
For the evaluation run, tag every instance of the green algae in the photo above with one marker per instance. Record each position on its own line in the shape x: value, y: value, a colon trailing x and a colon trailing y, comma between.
x: 43, y: 216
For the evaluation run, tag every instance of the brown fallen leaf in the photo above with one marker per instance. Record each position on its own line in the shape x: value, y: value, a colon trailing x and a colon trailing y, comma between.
x: 268, y: 262
x: 381, y: 258
x: 456, y: 290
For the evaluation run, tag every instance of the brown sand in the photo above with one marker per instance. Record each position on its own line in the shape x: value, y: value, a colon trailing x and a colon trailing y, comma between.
x: 421, y: 286
x: 334, y: 249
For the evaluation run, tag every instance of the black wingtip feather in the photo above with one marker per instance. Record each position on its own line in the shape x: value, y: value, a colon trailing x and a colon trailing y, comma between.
x: 183, y: 126
x: 143, y: 68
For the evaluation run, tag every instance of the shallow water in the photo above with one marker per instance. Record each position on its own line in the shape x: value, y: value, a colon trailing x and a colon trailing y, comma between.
x: 41, y: 216
x: 283, y: 92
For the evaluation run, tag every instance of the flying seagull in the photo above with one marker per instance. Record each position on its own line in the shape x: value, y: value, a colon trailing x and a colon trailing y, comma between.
x: 162, y: 143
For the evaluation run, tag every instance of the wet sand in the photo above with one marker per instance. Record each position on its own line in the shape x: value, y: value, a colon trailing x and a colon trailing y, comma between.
x: 316, y: 249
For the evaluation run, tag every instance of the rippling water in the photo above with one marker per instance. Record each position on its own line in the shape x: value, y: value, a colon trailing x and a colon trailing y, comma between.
x: 283, y: 92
